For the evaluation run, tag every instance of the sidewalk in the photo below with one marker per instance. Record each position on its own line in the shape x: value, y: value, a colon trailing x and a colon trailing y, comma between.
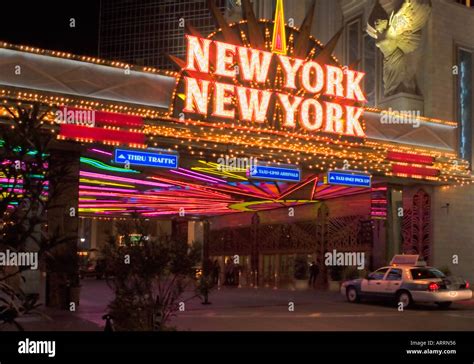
x: 54, y: 320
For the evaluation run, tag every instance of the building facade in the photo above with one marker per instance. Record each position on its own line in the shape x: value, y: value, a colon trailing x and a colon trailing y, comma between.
x: 144, y: 32
x: 421, y: 196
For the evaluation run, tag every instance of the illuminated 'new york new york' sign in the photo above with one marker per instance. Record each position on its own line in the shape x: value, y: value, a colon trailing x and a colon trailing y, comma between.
x: 240, y: 65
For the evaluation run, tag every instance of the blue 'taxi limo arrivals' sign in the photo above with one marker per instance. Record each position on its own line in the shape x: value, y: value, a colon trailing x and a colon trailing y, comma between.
x: 349, y: 178
x: 275, y: 173
x: 145, y: 158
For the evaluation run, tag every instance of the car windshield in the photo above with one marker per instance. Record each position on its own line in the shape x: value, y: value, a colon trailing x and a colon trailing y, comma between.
x: 424, y: 273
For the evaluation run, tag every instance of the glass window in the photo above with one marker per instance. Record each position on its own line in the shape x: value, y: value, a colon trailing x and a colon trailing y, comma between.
x: 370, y: 69
x: 353, y: 41
x: 378, y: 274
x: 464, y: 102
x: 394, y: 275
x: 425, y: 273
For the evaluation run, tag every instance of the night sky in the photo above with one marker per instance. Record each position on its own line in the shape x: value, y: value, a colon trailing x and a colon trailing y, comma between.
x: 45, y: 24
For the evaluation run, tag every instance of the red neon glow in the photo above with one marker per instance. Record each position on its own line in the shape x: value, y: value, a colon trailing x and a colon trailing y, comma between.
x: 410, y: 158
x: 416, y: 171
x: 298, y: 186
x: 106, y: 118
x: 433, y: 286
x: 101, y: 135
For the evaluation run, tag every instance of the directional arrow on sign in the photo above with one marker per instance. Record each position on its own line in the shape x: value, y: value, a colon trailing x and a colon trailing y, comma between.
x: 121, y: 156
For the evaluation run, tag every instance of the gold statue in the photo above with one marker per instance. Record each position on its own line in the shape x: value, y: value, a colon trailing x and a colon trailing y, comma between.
x: 398, y: 37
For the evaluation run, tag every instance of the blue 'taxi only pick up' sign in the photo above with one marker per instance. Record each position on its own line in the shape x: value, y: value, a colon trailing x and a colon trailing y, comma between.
x: 349, y: 178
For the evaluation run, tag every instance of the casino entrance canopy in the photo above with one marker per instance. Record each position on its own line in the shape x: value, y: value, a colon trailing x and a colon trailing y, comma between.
x: 141, y: 107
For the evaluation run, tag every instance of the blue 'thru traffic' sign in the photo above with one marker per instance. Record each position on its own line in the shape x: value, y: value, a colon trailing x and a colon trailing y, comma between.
x: 148, y: 159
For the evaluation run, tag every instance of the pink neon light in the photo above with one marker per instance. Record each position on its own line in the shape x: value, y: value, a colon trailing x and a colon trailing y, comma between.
x: 191, y: 176
x: 100, y: 151
x: 202, y: 175
x: 83, y: 187
x: 18, y: 181
x: 121, y: 179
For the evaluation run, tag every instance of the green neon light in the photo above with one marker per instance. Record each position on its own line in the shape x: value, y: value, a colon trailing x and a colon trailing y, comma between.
x: 101, y: 165
x: 18, y: 149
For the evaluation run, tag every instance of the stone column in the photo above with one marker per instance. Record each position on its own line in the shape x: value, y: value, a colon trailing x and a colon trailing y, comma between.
x: 394, y: 221
x: 254, y: 253
x: 63, y: 223
x: 205, y: 230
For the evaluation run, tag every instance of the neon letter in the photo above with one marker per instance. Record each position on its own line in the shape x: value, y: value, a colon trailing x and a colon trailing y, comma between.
x: 334, y: 123
x: 198, y: 50
x: 318, y: 74
x: 221, y: 100
x: 196, y: 95
x: 353, y: 90
x: 290, y: 108
x: 256, y: 108
x: 225, y: 57
x: 353, y: 126
x: 334, y: 80
x: 290, y: 70
x: 257, y: 68
x: 317, y: 120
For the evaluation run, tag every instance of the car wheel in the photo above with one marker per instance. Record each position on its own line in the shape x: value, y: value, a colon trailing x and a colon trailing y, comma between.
x: 444, y: 304
x: 352, y: 295
x: 405, y: 298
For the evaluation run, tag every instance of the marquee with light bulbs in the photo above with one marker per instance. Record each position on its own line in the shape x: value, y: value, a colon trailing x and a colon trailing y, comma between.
x: 242, y: 65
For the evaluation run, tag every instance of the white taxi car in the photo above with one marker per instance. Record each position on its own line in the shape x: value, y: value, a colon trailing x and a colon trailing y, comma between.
x: 408, y: 280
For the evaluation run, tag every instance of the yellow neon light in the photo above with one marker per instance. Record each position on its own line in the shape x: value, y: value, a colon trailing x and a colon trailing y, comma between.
x: 97, y: 182
x: 219, y: 170
x: 279, y: 30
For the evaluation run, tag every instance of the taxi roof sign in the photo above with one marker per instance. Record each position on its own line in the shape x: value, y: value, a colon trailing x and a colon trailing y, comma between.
x: 407, y: 259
